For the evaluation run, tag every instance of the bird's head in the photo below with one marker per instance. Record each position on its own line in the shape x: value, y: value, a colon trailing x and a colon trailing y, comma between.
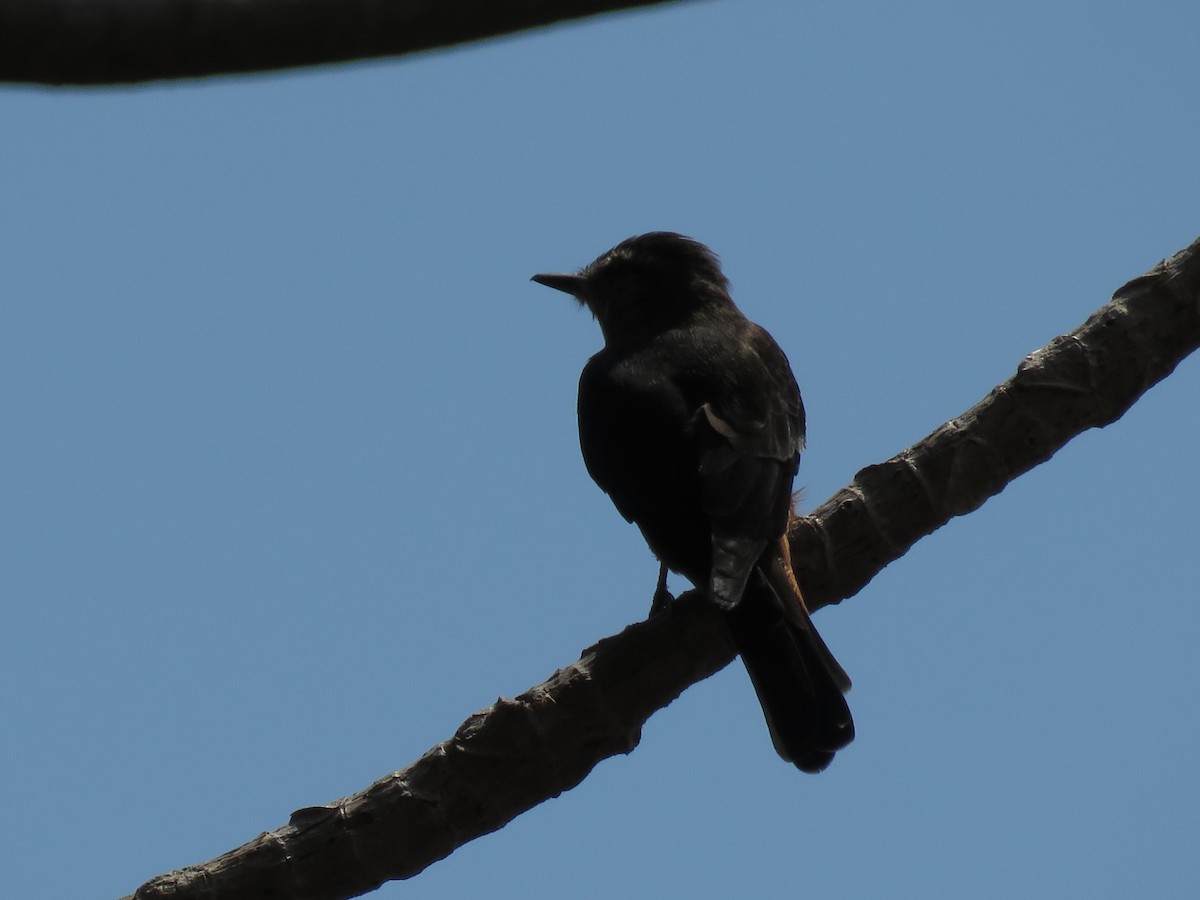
x: 645, y: 285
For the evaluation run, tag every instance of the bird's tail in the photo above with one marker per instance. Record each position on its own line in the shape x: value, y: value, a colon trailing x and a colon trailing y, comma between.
x: 799, y: 683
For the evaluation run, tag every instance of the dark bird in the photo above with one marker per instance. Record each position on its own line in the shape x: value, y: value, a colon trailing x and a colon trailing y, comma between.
x: 691, y: 421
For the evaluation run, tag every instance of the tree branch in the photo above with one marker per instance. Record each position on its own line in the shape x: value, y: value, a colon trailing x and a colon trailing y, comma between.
x: 512, y: 756
x: 98, y: 42
x: 1086, y: 379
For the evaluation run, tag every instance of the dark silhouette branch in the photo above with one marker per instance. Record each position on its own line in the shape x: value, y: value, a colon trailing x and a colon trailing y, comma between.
x: 1086, y: 379
x: 95, y: 42
x: 512, y: 756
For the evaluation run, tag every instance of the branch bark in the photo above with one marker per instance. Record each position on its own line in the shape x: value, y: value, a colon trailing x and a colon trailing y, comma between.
x: 95, y: 42
x: 1086, y: 379
x: 512, y: 756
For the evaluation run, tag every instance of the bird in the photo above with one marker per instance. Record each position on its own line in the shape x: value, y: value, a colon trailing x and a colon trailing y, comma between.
x: 690, y: 419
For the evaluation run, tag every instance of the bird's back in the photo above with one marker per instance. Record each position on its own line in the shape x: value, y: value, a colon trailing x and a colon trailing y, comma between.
x: 645, y: 422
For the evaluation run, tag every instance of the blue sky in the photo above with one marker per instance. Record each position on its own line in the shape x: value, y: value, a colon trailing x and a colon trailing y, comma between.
x: 292, y: 483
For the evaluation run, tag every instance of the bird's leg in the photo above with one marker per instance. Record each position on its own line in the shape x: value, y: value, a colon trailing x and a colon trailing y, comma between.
x: 662, y: 597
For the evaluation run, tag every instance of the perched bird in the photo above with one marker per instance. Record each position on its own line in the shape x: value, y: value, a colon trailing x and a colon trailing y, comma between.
x: 691, y: 421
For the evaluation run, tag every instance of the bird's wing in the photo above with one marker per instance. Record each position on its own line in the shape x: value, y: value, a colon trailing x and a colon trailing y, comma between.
x: 749, y: 433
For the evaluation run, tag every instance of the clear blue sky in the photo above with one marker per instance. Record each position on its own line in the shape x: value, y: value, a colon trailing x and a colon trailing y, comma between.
x: 291, y: 481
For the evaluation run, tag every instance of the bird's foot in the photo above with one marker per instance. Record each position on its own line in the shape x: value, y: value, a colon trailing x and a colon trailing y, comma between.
x: 662, y: 601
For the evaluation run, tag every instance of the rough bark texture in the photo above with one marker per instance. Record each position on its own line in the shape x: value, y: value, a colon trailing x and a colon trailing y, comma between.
x: 501, y: 761
x: 121, y: 41
x: 508, y: 758
x: 1085, y: 379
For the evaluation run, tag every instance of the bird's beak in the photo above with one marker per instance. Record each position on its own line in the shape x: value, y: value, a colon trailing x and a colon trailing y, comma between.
x: 570, y: 284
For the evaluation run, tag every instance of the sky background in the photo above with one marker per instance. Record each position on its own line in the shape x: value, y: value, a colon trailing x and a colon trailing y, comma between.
x: 291, y: 483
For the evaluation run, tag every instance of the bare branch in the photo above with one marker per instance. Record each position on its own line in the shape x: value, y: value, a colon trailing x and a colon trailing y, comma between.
x: 1086, y: 379
x: 123, y: 41
x: 514, y: 755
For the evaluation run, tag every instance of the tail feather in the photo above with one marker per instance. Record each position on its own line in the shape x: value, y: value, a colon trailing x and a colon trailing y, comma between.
x: 799, y: 683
